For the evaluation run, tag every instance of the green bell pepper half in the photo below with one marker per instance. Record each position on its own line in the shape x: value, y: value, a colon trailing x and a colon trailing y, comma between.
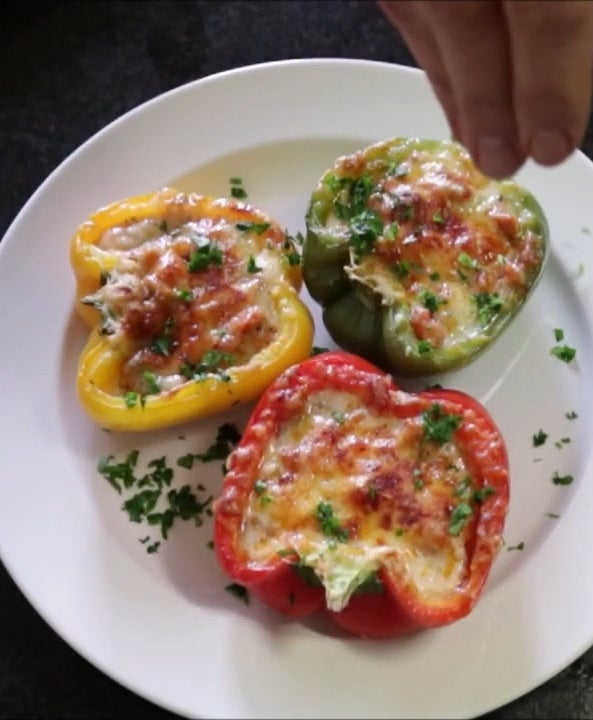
x: 378, y: 206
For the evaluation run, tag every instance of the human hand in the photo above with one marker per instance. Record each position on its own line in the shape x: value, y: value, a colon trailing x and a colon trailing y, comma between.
x: 514, y: 77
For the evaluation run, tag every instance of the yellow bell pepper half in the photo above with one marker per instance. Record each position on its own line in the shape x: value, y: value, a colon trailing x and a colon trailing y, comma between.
x: 193, y: 304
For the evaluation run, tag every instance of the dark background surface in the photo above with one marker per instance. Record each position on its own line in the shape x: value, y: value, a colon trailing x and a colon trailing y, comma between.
x: 66, y: 70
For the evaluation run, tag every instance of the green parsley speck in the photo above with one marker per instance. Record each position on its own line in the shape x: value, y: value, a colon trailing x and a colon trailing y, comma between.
x: 520, y: 546
x: 238, y: 591
x: 558, y: 479
x: 539, y: 438
x: 564, y: 352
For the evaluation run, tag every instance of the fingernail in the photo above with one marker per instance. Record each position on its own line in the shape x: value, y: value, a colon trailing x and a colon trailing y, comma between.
x: 550, y: 147
x: 497, y: 156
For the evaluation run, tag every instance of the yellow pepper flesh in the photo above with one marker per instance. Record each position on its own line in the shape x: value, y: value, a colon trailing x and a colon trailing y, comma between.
x: 101, y: 363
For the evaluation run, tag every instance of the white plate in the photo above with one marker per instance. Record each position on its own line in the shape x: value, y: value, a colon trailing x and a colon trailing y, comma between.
x: 162, y: 624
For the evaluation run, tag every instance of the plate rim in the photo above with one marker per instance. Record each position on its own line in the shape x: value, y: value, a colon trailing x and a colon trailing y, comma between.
x: 166, y: 97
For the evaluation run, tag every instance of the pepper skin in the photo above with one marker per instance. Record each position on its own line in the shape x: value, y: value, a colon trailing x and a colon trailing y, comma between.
x: 193, y: 307
x: 383, y: 509
x: 418, y: 260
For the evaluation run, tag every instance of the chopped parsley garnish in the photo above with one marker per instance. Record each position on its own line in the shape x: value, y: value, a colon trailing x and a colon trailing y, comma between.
x: 571, y: 415
x: 562, y: 442
x: 360, y: 191
x: 131, y: 399
x: 391, y: 231
x: 203, y: 256
x: 298, y: 238
x: 520, y: 546
x: 238, y: 591
x: 418, y: 484
x: 185, y: 505
x: 186, y: 461
x: 141, y: 504
x: 150, y: 382
x: 236, y: 181
x: 438, y: 219
x: 365, y: 228
x: 564, y: 353
x: 431, y: 301
x: 153, y: 547
x: 252, y: 266
x: 293, y: 258
x: 183, y: 294
x: 539, y: 438
x: 162, y: 474
x: 558, y: 334
x: 558, y: 479
x: 214, y: 359
x: 482, y: 493
x: 338, y: 416
x: 291, y: 254
x: 459, y: 517
x: 161, y: 345
x: 489, y: 305
x: 226, y: 438
x: 259, y: 487
x: 254, y: 227
x: 467, y: 261
x: 239, y: 192
x: 150, y: 489
x: 163, y: 226
x: 399, y: 532
x: 115, y: 472
x: 434, y: 276
x: 465, y: 491
x: 423, y: 347
x: 213, y: 362
x: 401, y: 269
x: 438, y: 424
x: 329, y: 524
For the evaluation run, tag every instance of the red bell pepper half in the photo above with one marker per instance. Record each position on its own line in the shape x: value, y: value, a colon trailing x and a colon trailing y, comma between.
x: 384, y: 509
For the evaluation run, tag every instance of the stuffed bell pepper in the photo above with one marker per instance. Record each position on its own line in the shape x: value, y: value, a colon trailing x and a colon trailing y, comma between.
x: 383, y: 509
x: 419, y: 260
x: 193, y: 304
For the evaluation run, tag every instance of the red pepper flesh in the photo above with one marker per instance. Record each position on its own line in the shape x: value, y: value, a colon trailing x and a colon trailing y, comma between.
x: 397, y: 604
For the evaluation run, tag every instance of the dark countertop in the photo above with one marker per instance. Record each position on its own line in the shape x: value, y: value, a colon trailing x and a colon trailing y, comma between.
x: 66, y: 70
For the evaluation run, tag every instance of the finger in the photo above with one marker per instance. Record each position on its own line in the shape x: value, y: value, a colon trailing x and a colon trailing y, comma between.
x: 418, y: 36
x: 552, y: 50
x: 472, y: 37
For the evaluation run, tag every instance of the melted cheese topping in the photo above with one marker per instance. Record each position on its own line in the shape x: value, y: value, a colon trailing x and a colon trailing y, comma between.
x: 455, y: 251
x: 186, y: 298
x: 349, y: 490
